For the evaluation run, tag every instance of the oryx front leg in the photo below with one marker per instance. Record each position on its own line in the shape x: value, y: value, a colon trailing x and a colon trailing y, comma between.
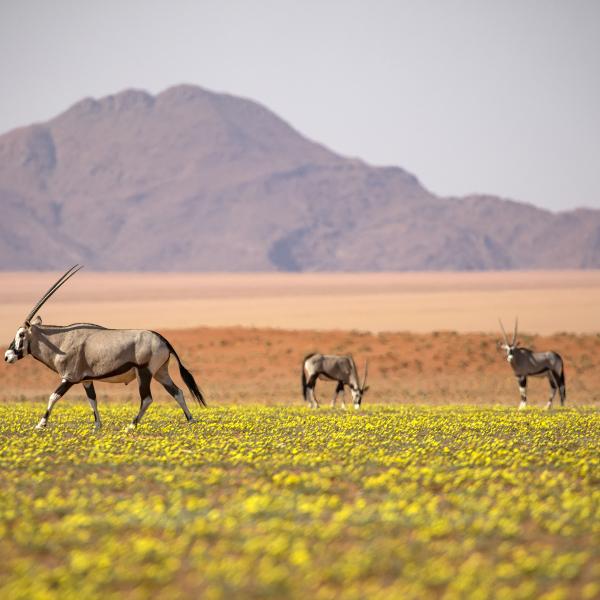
x: 163, y: 377
x: 90, y: 392
x: 60, y: 391
x: 339, y: 389
x: 523, y: 391
x: 144, y: 378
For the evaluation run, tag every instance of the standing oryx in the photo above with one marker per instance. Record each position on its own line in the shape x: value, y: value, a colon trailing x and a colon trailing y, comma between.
x: 333, y: 368
x: 526, y: 363
x: 84, y: 353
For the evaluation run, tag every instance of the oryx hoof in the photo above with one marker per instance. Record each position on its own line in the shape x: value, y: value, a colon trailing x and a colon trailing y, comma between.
x: 192, y: 420
x: 549, y: 406
x: 97, y: 426
x: 42, y: 424
x: 523, y: 406
x: 131, y: 427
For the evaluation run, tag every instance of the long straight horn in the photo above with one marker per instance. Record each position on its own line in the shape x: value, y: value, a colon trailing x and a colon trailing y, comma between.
x: 364, y: 383
x: 503, y: 333
x: 516, y: 328
x: 51, y: 291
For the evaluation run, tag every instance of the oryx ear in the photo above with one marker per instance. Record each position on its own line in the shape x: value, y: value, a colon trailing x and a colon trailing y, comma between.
x: 365, y: 389
x: 37, y: 321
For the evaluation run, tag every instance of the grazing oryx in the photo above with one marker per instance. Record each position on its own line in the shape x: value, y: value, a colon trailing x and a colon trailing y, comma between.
x: 84, y: 353
x: 526, y: 363
x: 333, y: 368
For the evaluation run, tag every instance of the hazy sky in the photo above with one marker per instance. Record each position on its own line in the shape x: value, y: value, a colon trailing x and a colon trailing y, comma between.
x: 497, y: 96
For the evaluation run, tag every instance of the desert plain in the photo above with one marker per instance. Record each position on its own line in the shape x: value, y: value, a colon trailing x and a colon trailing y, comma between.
x: 430, y: 338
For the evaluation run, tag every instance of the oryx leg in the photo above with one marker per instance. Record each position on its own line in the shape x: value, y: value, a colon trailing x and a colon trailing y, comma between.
x: 60, y: 391
x: 144, y: 377
x: 90, y: 392
x: 163, y: 377
x: 522, y: 381
x: 339, y: 389
x: 312, y: 399
x: 553, y: 389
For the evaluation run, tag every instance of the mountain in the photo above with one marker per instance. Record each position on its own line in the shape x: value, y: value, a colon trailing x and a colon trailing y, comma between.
x: 191, y: 180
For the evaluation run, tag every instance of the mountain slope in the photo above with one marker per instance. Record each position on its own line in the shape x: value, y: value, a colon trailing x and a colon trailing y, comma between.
x: 194, y: 180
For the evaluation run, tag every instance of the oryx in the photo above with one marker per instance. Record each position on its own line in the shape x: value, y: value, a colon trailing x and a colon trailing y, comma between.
x: 333, y: 368
x: 526, y: 363
x: 84, y: 353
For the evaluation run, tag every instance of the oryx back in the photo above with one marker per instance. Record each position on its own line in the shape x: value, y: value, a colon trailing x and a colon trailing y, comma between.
x: 87, y: 352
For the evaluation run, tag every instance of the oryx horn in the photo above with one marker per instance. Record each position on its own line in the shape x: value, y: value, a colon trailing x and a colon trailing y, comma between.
x: 503, y: 333
x: 515, y: 334
x: 364, y: 383
x: 51, y: 291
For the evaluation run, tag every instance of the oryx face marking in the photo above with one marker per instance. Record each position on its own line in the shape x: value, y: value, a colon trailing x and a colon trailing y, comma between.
x: 356, y: 397
x: 510, y: 353
x: 18, y: 347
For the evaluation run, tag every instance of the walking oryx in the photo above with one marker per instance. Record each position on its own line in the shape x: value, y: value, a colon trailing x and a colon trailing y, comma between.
x: 333, y: 368
x: 526, y: 363
x: 84, y: 353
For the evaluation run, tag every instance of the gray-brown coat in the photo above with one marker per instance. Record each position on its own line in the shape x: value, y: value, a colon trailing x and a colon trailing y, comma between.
x: 333, y: 368
x: 85, y: 353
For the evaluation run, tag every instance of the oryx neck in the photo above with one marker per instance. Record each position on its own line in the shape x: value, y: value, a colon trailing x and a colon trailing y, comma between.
x: 38, y: 347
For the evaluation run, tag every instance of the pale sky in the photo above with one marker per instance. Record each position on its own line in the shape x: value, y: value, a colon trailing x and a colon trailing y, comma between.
x: 499, y: 97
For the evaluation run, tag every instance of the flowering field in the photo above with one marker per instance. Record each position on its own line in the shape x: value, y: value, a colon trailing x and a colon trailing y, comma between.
x: 392, y: 502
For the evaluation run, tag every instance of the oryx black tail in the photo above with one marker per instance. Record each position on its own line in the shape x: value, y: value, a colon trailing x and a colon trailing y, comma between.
x: 562, y: 386
x: 187, y: 377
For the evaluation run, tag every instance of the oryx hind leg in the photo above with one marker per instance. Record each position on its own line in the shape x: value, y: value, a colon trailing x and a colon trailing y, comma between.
x: 60, y: 391
x: 144, y: 377
x: 90, y: 392
x: 163, y: 377
x: 310, y: 391
x: 563, y: 393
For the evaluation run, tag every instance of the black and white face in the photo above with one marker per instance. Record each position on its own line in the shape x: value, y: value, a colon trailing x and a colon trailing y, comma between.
x: 18, y: 347
x: 357, y: 396
x: 510, y: 352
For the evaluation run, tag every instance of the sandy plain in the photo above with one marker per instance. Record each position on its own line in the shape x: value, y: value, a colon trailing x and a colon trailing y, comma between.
x: 236, y: 365
x: 546, y: 301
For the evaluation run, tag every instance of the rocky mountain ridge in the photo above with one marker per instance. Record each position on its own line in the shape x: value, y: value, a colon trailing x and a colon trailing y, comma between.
x: 191, y: 180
